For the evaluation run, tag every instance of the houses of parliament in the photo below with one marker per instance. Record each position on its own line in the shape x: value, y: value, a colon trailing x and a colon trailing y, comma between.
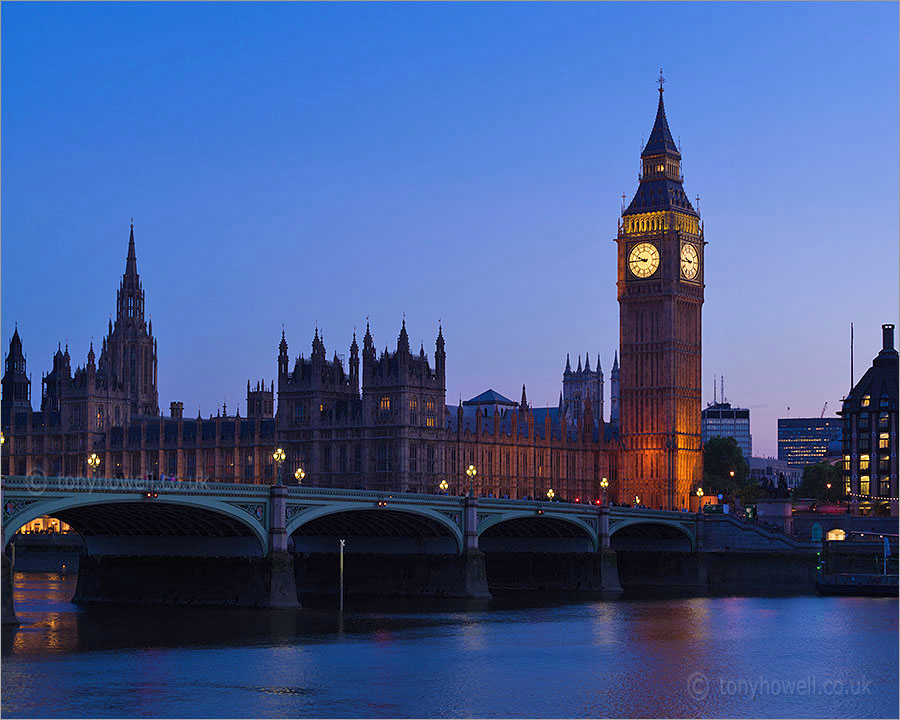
x: 382, y: 421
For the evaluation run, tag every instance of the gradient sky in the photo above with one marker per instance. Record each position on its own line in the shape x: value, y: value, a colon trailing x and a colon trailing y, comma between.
x: 305, y: 163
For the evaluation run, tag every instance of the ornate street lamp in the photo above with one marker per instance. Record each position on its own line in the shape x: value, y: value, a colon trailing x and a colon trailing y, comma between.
x: 93, y: 461
x: 278, y: 456
x: 699, y: 499
x: 604, y: 483
x: 471, y: 472
x: 550, y: 494
x: 299, y: 475
x: 443, y: 485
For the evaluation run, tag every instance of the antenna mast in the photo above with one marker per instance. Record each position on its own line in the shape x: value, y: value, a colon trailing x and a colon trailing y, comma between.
x: 851, y: 357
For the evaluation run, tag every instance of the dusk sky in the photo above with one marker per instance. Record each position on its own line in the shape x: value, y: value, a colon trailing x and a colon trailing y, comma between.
x: 305, y: 164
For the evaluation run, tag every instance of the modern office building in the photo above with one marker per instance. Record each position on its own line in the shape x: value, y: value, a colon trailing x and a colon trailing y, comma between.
x: 869, y: 417
x: 804, y: 441
x: 722, y: 420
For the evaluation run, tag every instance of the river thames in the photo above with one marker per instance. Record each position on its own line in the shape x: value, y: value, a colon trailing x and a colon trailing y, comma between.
x: 673, y: 657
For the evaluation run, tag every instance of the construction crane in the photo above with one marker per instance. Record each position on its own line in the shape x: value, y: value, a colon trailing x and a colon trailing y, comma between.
x: 824, y: 408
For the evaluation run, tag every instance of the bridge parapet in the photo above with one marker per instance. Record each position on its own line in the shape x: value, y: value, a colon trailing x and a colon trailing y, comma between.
x: 37, y: 485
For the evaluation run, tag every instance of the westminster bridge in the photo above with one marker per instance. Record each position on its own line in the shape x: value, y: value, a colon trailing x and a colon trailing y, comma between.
x: 177, y: 541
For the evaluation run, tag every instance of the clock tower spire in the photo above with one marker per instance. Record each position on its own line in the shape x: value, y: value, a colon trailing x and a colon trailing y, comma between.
x: 660, y: 290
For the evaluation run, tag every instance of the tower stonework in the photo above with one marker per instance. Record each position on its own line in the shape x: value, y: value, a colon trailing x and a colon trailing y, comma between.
x: 660, y: 291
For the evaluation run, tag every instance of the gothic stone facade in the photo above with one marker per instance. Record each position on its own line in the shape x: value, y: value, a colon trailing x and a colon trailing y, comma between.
x: 385, y: 425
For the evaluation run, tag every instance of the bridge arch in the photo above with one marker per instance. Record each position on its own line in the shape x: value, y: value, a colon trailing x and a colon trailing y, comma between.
x: 369, y: 520
x: 531, y: 524
x: 653, y: 529
x: 165, y: 518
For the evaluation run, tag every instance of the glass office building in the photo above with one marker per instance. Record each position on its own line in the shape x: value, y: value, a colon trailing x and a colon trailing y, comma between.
x: 722, y: 420
x: 804, y: 441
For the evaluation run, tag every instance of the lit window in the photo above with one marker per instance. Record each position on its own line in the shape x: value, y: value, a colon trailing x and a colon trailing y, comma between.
x: 385, y: 403
x: 413, y: 405
x: 863, y: 484
x: 883, y: 420
x: 863, y: 462
x: 865, y: 401
x: 429, y: 405
x: 884, y: 441
x: 429, y: 421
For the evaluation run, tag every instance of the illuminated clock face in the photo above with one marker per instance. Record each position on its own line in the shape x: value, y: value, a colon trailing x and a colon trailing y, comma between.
x: 690, y: 262
x: 643, y: 259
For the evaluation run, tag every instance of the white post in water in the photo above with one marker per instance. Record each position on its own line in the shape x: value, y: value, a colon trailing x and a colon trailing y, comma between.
x: 342, y: 578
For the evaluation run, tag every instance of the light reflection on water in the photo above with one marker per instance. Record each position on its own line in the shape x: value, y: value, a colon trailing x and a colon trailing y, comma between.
x: 631, y: 658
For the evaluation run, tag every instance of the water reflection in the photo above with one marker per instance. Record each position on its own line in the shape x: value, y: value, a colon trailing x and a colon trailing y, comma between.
x: 510, y: 658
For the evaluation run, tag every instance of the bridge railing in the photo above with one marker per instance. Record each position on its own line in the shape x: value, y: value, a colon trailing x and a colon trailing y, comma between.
x: 39, y: 484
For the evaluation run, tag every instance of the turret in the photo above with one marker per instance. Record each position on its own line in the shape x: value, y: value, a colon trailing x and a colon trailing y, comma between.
x: 318, y: 349
x: 354, y: 364
x: 614, y: 390
x: 260, y: 401
x: 91, y: 368
x: 282, y: 357
x: 16, y: 384
x: 403, y: 342
x: 440, y: 356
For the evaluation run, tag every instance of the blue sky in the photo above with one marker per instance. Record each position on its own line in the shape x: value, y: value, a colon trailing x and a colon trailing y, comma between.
x: 320, y: 163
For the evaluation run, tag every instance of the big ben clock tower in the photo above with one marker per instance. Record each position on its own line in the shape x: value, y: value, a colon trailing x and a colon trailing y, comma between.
x: 660, y: 289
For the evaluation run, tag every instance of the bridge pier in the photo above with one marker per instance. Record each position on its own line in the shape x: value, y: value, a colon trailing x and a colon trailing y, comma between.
x: 9, y: 609
x: 474, y: 583
x: 609, y: 566
x: 280, y: 580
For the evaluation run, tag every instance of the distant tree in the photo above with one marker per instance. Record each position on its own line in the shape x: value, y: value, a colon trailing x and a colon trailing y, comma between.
x: 751, y: 492
x: 816, y: 479
x: 721, y: 458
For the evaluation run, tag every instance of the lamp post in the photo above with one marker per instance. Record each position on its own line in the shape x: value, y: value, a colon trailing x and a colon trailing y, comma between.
x: 299, y: 475
x: 443, y: 485
x: 471, y: 472
x: 278, y: 456
x: 604, y: 483
x: 550, y: 494
x: 699, y: 499
x: 93, y: 461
